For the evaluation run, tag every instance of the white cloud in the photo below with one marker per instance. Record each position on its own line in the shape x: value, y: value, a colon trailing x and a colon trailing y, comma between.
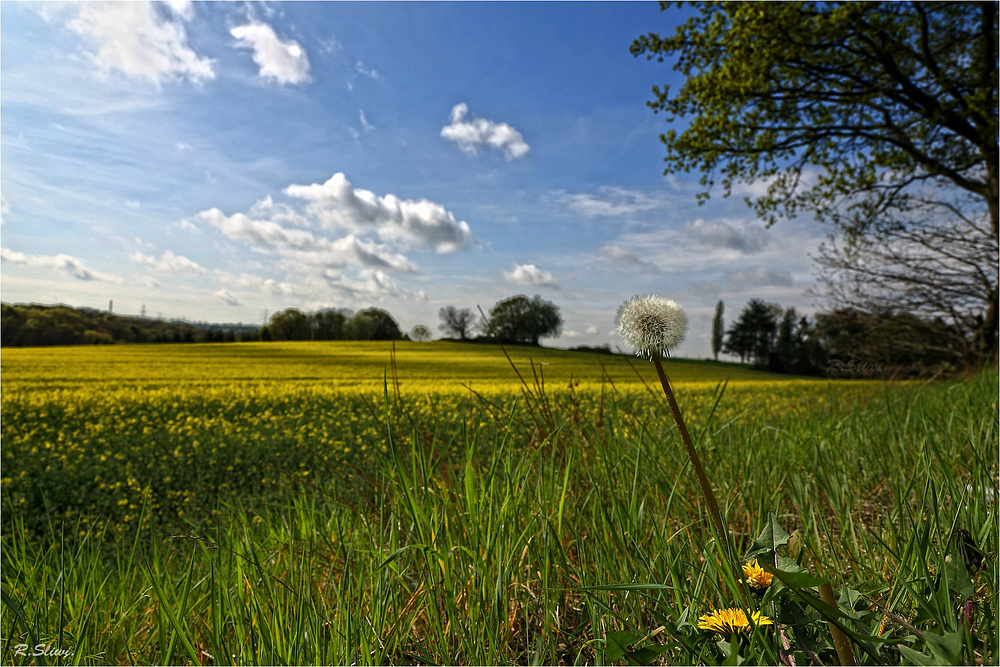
x: 748, y: 238
x: 759, y: 276
x: 283, y: 61
x: 337, y: 204
x: 304, y: 246
x: 471, y: 135
x: 368, y: 127
x: 169, y: 263
x: 612, y: 201
x: 70, y: 265
x: 142, y: 40
x: 529, y: 274
x: 623, y: 256
x: 228, y: 297
x: 367, y: 71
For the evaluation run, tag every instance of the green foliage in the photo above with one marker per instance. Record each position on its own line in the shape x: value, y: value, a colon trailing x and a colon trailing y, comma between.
x: 878, y: 95
x: 34, y: 325
x: 290, y: 324
x: 752, y: 336
x: 879, y: 117
x: 888, y: 343
x: 523, y: 320
x: 718, y: 329
x: 372, y: 324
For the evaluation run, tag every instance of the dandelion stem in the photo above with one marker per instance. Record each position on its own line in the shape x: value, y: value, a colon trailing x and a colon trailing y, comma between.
x: 699, y: 470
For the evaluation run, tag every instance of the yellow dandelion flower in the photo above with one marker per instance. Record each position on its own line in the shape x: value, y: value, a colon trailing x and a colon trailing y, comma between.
x: 731, y: 621
x: 755, y: 576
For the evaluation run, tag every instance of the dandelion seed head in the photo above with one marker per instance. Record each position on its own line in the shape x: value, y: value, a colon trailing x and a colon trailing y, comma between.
x: 651, y: 324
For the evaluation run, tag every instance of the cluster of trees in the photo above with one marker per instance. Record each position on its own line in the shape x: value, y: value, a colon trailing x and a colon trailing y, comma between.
x: 32, y: 324
x: 332, y: 324
x: 878, y: 118
x: 514, y: 320
x: 846, y: 341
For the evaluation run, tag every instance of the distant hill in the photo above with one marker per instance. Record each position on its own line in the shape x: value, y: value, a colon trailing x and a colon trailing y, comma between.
x: 24, y: 325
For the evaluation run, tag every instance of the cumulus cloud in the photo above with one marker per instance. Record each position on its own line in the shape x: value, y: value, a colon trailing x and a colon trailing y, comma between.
x: 283, y: 61
x: 529, y: 274
x: 303, y: 245
x: 473, y: 134
x: 334, y: 239
x: 752, y: 238
x: 760, y: 276
x: 169, y: 263
x: 337, y: 204
x: 69, y: 265
x: 142, y: 40
x: 228, y: 297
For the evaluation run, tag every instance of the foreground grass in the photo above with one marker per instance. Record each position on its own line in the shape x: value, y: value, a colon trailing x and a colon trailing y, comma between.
x: 493, y: 529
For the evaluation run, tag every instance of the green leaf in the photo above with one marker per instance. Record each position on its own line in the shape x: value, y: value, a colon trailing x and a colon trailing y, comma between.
x: 645, y: 655
x: 772, y: 537
x: 732, y: 652
x: 795, y: 580
x: 944, y: 649
x: 618, y: 643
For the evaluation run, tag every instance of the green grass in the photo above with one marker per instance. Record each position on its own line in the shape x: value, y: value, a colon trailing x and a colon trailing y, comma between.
x: 527, y: 528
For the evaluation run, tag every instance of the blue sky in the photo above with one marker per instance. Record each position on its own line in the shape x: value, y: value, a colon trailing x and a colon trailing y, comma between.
x: 223, y: 161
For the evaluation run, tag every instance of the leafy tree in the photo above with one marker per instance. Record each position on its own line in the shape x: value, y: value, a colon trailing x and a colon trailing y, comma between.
x: 890, y: 343
x: 420, y: 333
x: 880, y: 118
x: 718, y: 329
x: 329, y: 324
x: 373, y: 324
x: 456, y: 322
x: 523, y: 320
x: 752, y: 336
x: 795, y: 347
x: 290, y: 324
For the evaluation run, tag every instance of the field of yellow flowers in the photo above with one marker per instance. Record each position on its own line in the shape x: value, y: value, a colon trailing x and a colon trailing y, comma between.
x: 96, y: 432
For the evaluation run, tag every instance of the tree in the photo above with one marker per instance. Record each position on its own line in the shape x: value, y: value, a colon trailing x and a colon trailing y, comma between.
x: 873, y: 116
x: 373, y: 324
x: 718, y: 329
x: 795, y: 348
x: 943, y: 270
x: 329, y: 324
x: 290, y: 324
x: 455, y: 322
x: 523, y: 320
x: 420, y: 333
x: 890, y: 343
x: 752, y: 336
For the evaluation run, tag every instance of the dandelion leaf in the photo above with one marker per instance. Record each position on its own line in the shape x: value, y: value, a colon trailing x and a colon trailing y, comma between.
x: 772, y: 537
x: 944, y: 649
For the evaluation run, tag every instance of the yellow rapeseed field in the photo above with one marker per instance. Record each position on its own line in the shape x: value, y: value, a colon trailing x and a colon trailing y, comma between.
x: 99, y: 431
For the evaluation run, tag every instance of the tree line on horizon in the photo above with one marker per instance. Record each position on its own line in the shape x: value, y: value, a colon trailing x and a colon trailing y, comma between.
x: 843, y: 342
